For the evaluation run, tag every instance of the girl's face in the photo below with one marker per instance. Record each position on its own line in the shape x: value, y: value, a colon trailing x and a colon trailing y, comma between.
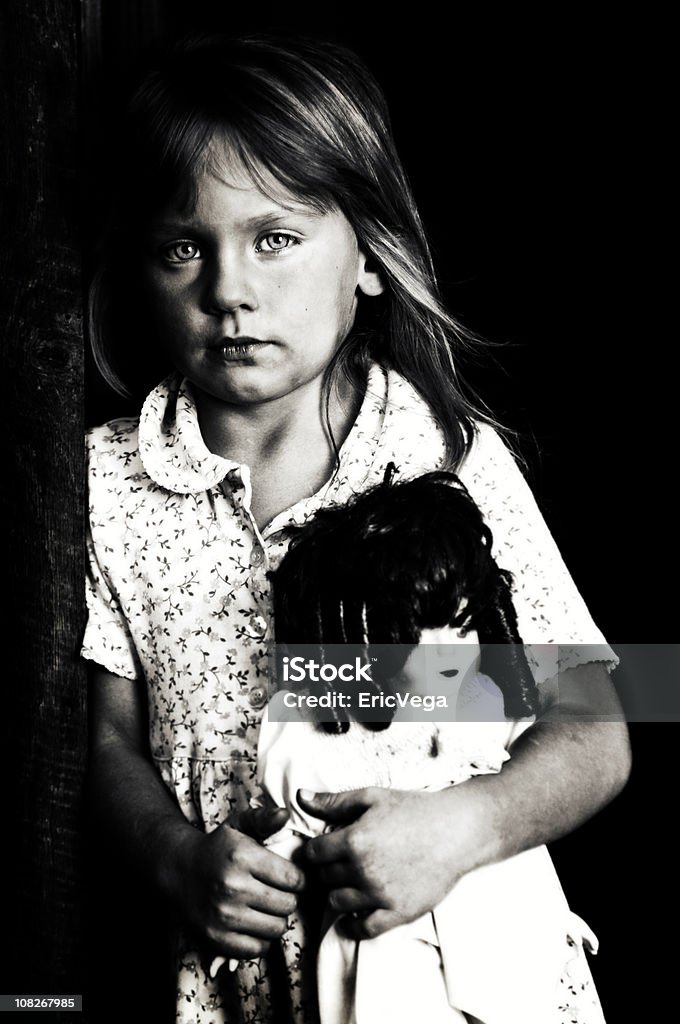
x: 252, y: 295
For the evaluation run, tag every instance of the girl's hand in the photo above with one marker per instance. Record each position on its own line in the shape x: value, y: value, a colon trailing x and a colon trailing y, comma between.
x: 394, y: 854
x: 234, y: 893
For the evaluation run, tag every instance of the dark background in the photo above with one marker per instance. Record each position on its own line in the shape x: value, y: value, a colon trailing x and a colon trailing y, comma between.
x: 536, y: 148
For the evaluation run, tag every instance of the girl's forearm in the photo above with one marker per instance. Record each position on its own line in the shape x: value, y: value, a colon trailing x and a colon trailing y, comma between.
x: 561, y: 773
x: 563, y: 769
x: 131, y: 806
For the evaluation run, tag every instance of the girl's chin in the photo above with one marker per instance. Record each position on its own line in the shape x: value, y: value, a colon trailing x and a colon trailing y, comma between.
x: 241, y: 386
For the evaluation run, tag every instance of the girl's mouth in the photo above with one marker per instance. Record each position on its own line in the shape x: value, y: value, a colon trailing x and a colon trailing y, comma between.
x: 237, y: 349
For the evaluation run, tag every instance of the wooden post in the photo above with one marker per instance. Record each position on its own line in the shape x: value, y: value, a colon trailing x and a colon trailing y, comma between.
x: 41, y: 502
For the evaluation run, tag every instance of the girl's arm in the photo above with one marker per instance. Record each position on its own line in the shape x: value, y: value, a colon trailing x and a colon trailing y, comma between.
x: 397, y: 854
x: 232, y: 892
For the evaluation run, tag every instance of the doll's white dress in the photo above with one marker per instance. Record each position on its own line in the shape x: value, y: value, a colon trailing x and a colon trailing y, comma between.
x: 502, y: 947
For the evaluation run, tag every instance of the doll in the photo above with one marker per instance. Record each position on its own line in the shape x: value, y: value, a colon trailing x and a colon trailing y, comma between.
x: 403, y: 579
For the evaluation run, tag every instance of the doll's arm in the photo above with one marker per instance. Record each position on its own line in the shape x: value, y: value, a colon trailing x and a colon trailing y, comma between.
x: 233, y: 893
x: 396, y: 855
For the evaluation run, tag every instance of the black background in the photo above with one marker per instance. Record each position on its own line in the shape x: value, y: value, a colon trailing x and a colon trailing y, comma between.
x: 536, y: 146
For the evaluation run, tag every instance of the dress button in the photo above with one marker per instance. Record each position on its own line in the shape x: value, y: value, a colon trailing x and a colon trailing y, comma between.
x: 258, y: 626
x: 256, y: 556
x: 257, y: 698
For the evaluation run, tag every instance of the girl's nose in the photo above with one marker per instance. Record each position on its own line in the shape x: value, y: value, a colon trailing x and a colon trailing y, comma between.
x: 229, y: 286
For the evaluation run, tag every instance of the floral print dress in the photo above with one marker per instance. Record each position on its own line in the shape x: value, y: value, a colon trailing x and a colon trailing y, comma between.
x: 179, y: 601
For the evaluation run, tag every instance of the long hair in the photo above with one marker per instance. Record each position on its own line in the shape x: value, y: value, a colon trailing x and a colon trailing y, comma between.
x: 311, y: 116
x: 395, y: 560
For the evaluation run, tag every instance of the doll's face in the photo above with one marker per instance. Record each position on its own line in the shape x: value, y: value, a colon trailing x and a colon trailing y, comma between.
x: 447, y: 664
x: 443, y: 662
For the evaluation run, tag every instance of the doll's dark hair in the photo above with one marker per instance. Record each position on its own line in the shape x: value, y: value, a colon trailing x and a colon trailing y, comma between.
x: 395, y: 560
x: 308, y: 117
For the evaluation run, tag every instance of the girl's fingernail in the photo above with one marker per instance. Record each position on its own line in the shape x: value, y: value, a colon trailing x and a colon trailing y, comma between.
x: 307, y: 794
x: 215, y: 966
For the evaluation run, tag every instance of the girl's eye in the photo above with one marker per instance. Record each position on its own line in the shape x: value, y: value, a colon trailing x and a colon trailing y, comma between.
x: 276, y: 241
x: 181, y: 252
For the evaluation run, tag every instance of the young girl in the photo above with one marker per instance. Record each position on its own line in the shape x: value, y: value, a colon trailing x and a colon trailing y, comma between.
x: 279, y: 269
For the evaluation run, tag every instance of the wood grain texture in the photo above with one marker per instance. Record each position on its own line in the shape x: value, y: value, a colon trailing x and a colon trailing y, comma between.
x: 42, y: 499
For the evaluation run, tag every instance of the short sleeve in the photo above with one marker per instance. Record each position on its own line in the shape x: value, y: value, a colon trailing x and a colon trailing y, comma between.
x: 554, y: 621
x: 107, y: 639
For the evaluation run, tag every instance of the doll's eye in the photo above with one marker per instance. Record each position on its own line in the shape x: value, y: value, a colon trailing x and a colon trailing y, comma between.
x: 181, y: 252
x: 449, y: 673
x: 276, y: 241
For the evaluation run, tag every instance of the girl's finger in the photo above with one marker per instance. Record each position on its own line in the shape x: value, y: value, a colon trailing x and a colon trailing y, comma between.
x: 273, y: 870
x: 262, y: 822
x: 325, y: 849
x: 339, y: 875
x: 337, y: 808
x: 350, y: 901
x: 235, y: 946
x: 246, y: 921
x: 370, y: 925
x: 268, y: 900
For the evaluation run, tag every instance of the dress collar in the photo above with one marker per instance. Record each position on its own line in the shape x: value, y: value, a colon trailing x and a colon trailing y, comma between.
x: 171, y: 446
x: 394, y: 424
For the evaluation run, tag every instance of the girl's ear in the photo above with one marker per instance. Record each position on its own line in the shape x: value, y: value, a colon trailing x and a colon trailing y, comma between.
x: 369, y: 282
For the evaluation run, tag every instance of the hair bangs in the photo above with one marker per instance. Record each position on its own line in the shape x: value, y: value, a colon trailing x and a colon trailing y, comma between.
x: 164, y: 150
x: 272, y: 172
